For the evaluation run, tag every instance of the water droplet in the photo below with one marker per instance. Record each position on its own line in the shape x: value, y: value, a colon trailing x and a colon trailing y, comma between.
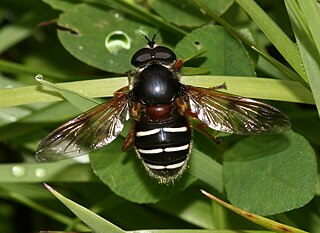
x: 117, y: 41
x: 198, y: 45
x: 39, y: 77
x: 40, y: 172
x: 118, y: 16
x: 18, y: 171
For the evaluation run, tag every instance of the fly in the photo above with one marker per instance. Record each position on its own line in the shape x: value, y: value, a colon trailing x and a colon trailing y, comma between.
x: 161, y: 108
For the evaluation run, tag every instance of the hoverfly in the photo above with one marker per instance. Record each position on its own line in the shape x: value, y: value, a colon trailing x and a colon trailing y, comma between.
x: 161, y: 108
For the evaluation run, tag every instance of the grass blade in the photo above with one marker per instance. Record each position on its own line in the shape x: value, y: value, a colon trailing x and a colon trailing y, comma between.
x: 304, y: 21
x: 8, y: 193
x: 94, y: 221
x: 262, y: 221
x: 277, y: 37
x: 283, y: 90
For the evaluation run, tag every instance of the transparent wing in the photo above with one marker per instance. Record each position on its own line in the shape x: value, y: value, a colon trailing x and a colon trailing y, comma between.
x: 234, y: 114
x: 89, y: 131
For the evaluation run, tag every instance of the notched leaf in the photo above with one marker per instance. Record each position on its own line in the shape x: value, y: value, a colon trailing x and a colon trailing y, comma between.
x: 69, y: 29
x: 102, y: 37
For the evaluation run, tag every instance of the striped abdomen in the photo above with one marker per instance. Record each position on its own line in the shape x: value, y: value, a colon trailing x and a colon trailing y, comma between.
x: 164, y: 147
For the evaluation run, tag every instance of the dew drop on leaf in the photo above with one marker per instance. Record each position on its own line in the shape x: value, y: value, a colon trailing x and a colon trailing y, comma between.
x: 18, y: 171
x: 117, y: 41
x: 39, y: 77
x: 40, y: 172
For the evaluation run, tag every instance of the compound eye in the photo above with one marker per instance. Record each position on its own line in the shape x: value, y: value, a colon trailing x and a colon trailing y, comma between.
x: 164, y: 53
x: 141, y: 56
x: 159, y: 53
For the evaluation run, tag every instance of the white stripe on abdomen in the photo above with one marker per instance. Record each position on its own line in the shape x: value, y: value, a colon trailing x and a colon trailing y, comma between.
x: 170, y: 166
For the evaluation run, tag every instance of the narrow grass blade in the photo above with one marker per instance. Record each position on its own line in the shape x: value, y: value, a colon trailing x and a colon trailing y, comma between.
x: 15, y: 68
x: 311, y: 11
x: 277, y: 37
x: 38, y: 94
x: 262, y: 221
x: 206, y: 170
x: 6, y: 193
x: 282, y: 67
x: 308, y: 40
x: 62, y: 171
x: 80, y: 101
x: 94, y: 221
x: 260, y: 88
x: 250, y: 43
x: 16, y: 32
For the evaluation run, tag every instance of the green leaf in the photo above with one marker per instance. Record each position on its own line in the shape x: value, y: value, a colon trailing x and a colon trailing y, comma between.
x: 221, y: 6
x: 270, y: 174
x: 189, y: 206
x: 18, y: 31
x: 249, y: 41
x: 94, y: 221
x: 206, y: 169
x: 16, y: 68
x: 179, y: 12
x: 308, y: 40
x: 125, y: 175
x: 277, y: 37
x: 186, y: 13
x: 267, y: 223
x: 80, y: 101
x: 102, y: 37
x: 62, y: 171
x: 311, y: 11
x: 224, y: 55
x: 284, y: 90
x: 258, y: 88
x: 61, y: 5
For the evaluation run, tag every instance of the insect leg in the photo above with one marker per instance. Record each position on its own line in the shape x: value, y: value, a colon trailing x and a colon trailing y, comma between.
x: 203, y: 128
x: 178, y: 65
x: 128, y: 142
x: 119, y: 92
x: 221, y: 86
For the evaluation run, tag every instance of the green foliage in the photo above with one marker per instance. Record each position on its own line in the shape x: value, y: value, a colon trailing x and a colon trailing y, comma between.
x: 223, y: 54
x: 124, y: 174
x: 86, y: 47
x: 262, y: 171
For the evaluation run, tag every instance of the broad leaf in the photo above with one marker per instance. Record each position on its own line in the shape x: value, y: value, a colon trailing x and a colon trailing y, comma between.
x: 125, y: 175
x: 222, y: 53
x: 102, y: 37
x: 270, y: 174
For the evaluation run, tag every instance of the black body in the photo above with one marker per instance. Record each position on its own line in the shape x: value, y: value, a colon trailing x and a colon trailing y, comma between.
x: 162, y: 137
x: 173, y: 162
x: 166, y: 143
x: 156, y: 85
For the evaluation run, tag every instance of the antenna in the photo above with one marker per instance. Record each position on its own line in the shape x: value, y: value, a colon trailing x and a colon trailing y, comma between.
x: 151, y: 42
